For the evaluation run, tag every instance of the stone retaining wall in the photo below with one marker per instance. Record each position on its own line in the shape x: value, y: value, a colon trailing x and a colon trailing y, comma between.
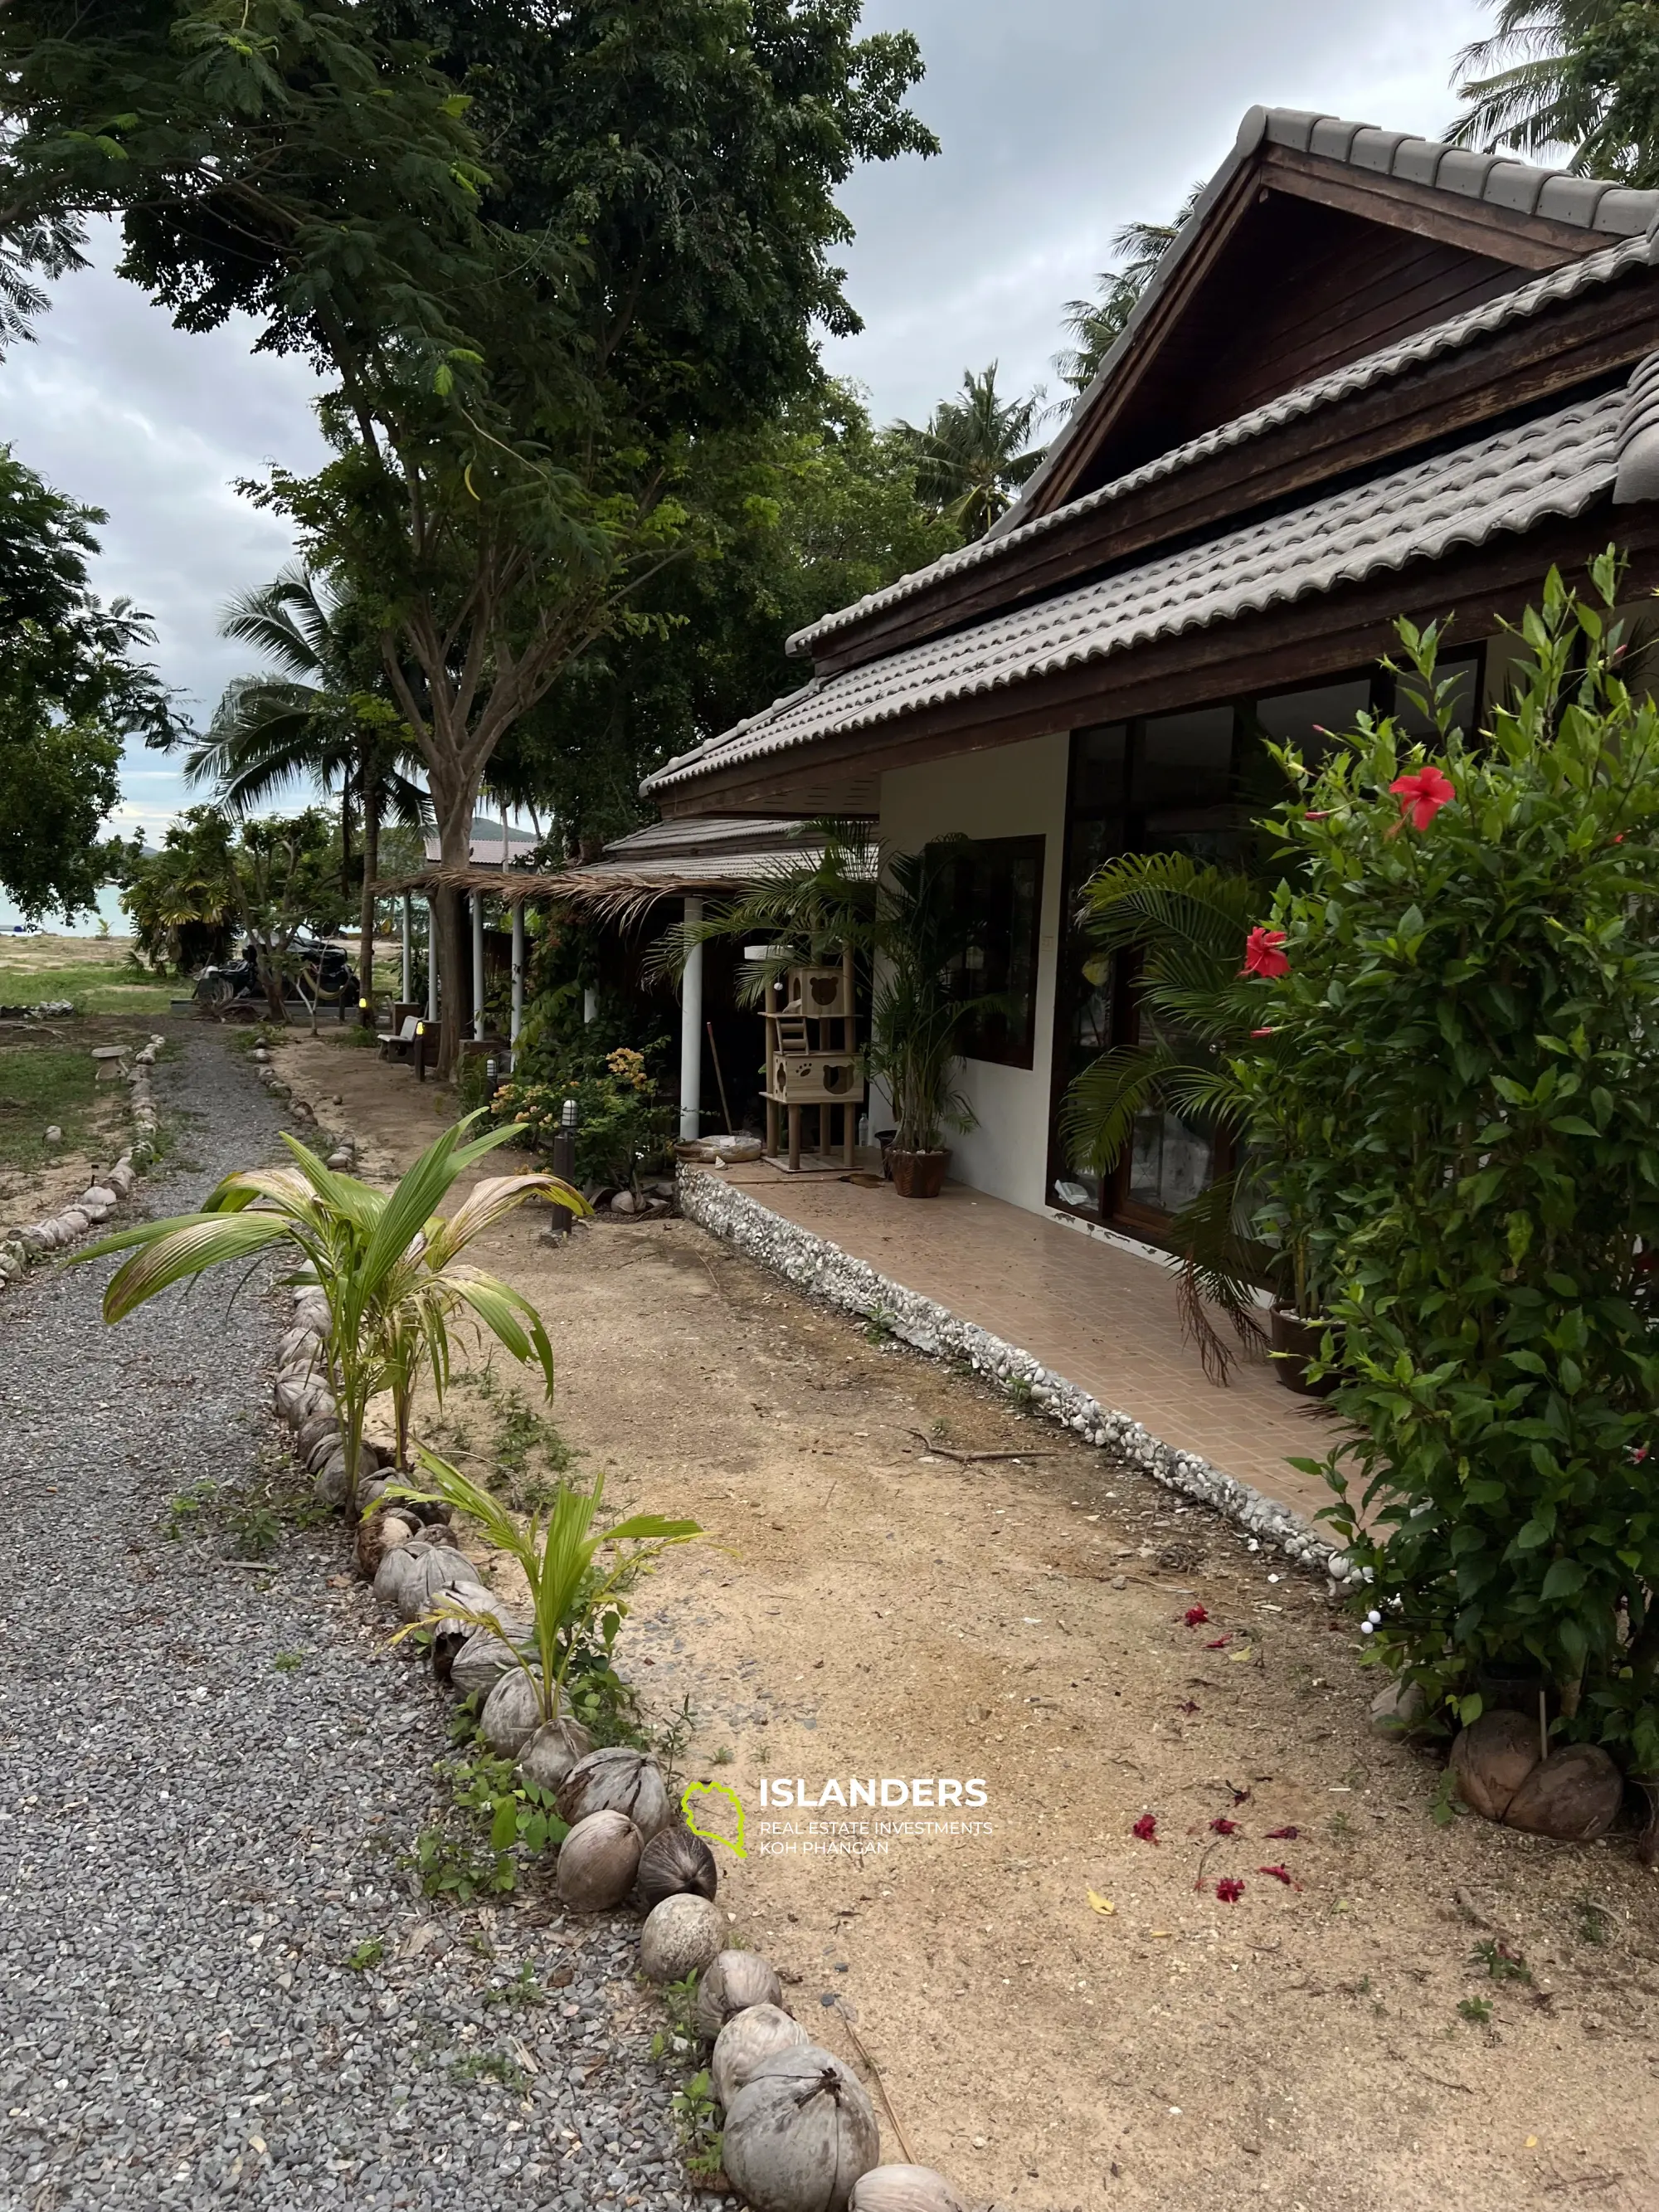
x: 824, y: 1271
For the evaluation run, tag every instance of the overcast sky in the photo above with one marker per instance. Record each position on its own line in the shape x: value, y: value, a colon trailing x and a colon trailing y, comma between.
x: 1060, y: 119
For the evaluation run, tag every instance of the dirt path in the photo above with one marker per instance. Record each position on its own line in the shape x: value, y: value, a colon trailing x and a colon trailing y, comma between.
x: 875, y: 1609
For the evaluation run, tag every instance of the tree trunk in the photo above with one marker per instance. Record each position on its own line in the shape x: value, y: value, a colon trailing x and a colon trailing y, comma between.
x: 371, y: 799
x: 453, y: 797
x: 345, y: 838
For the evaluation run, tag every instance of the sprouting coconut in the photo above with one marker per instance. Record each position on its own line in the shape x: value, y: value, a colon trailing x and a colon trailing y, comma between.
x: 512, y: 1714
x: 549, y: 1755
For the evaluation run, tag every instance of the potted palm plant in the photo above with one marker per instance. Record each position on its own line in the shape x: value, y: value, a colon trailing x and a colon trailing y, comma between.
x: 1203, y: 1053
x: 916, y: 1025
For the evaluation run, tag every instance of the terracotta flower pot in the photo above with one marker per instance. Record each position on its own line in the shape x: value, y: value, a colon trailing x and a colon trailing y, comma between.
x: 1295, y: 1342
x: 919, y: 1175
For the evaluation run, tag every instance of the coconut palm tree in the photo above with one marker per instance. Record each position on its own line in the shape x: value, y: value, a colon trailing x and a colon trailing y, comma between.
x: 975, y: 452
x: 1579, y: 76
x: 320, y: 719
x: 1096, y: 325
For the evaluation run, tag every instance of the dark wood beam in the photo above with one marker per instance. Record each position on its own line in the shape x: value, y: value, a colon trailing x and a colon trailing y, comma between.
x: 1281, y: 649
x: 1526, y: 241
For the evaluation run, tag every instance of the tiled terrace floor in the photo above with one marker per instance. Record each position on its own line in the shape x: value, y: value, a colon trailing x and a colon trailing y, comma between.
x: 1104, y: 1318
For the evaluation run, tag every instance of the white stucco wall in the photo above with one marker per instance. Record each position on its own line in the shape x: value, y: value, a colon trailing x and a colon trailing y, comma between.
x: 1009, y: 791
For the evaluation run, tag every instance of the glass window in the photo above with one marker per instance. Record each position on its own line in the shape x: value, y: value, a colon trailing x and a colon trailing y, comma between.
x: 1098, y: 758
x: 993, y: 889
x: 1168, y: 1163
x: 1302, y: 718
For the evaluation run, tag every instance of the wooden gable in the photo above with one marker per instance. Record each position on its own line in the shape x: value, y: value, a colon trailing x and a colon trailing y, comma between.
x: 1301, y: 265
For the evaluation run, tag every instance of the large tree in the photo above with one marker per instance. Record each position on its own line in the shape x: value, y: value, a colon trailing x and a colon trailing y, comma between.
x: 70, y: 690
x: 1572, y: 78
x: 541, y: 252
x: 805, y: 515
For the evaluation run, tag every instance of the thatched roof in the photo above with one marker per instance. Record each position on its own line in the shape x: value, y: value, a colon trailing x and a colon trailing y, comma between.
x: 691, y: 857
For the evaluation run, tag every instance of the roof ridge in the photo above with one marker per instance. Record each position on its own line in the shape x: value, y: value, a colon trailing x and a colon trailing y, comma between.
x: 1554, y: 286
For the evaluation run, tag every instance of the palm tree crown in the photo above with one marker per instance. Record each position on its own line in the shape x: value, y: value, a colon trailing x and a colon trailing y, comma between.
x: 976, y: 452
x: 1579, y: 76
x: 1096, y: 325
x: 320, y: 717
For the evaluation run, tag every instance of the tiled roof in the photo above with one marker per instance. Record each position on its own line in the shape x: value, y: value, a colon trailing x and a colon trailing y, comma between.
x: 703, y: 837
x: 1584, y: 203
x: 1555, y: 464
x: 1372, y: 369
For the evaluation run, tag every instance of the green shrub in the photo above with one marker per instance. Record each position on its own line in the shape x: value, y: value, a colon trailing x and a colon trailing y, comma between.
x: 1470, y: 1025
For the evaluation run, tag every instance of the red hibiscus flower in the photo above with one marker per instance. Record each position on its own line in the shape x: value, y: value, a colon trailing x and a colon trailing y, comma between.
x: 1221, y: 1642
x: 1223, y: 1826
x: 1230, y: 1889
x: 1146, y: 1828
x: 1196, y: 1616
x: 1262, y: 956
x: 1422, y: 794
x: 1283, y: 1835
x: 1279, y: 1874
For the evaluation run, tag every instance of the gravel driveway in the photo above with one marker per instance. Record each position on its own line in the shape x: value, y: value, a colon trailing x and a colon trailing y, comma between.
x: 207, y: 1777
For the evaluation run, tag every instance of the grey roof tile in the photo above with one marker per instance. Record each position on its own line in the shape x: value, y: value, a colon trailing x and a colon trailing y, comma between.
x: 1555, y: 464
x: 1571, y: 199
x: 1604, y: 267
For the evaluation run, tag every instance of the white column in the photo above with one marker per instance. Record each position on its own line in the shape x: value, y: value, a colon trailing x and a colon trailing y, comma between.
x: 477, y: 965
x: 518, y: 974
x: 431, y: 959
x: 691, y: 1032
x: 590, y: 1005
x: 408, y: 949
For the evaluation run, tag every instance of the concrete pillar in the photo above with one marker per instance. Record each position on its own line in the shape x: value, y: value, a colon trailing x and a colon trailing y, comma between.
x: 431, y: 959
x: 518, y: 975
x: 590, y: 1005
x: 691, y: 1032
x: 408, y: 949
x: 477, y: 965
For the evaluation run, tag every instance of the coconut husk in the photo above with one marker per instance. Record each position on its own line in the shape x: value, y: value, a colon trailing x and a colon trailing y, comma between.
x: 1574, y: 1795
x: 1491, y: 1759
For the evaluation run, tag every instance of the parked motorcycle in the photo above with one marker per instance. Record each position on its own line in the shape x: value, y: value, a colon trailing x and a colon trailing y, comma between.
x: 324, y: 973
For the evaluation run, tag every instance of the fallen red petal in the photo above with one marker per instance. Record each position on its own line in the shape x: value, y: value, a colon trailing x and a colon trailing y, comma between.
x: 1196, y: 1616
x: 1223, y: 1826
x: 1146, y: 1828
x: 1283, y: 1835
x: 1220, y: 1643
x: 1230, y: 1889
x: 1279, y: 1874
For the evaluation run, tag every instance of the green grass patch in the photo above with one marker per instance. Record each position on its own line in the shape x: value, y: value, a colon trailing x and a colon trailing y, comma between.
x: 98, y: 975
x: 43, y: 1084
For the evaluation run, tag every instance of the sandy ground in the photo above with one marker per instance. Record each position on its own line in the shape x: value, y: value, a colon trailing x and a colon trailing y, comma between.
x: 867, y: 1608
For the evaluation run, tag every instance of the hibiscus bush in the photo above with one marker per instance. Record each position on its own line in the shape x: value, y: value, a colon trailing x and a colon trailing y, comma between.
x: 1460, y: 990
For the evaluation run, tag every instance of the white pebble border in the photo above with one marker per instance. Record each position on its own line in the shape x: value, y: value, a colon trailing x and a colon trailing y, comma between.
x: 26, y: 1248
x: 822, y: 1270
